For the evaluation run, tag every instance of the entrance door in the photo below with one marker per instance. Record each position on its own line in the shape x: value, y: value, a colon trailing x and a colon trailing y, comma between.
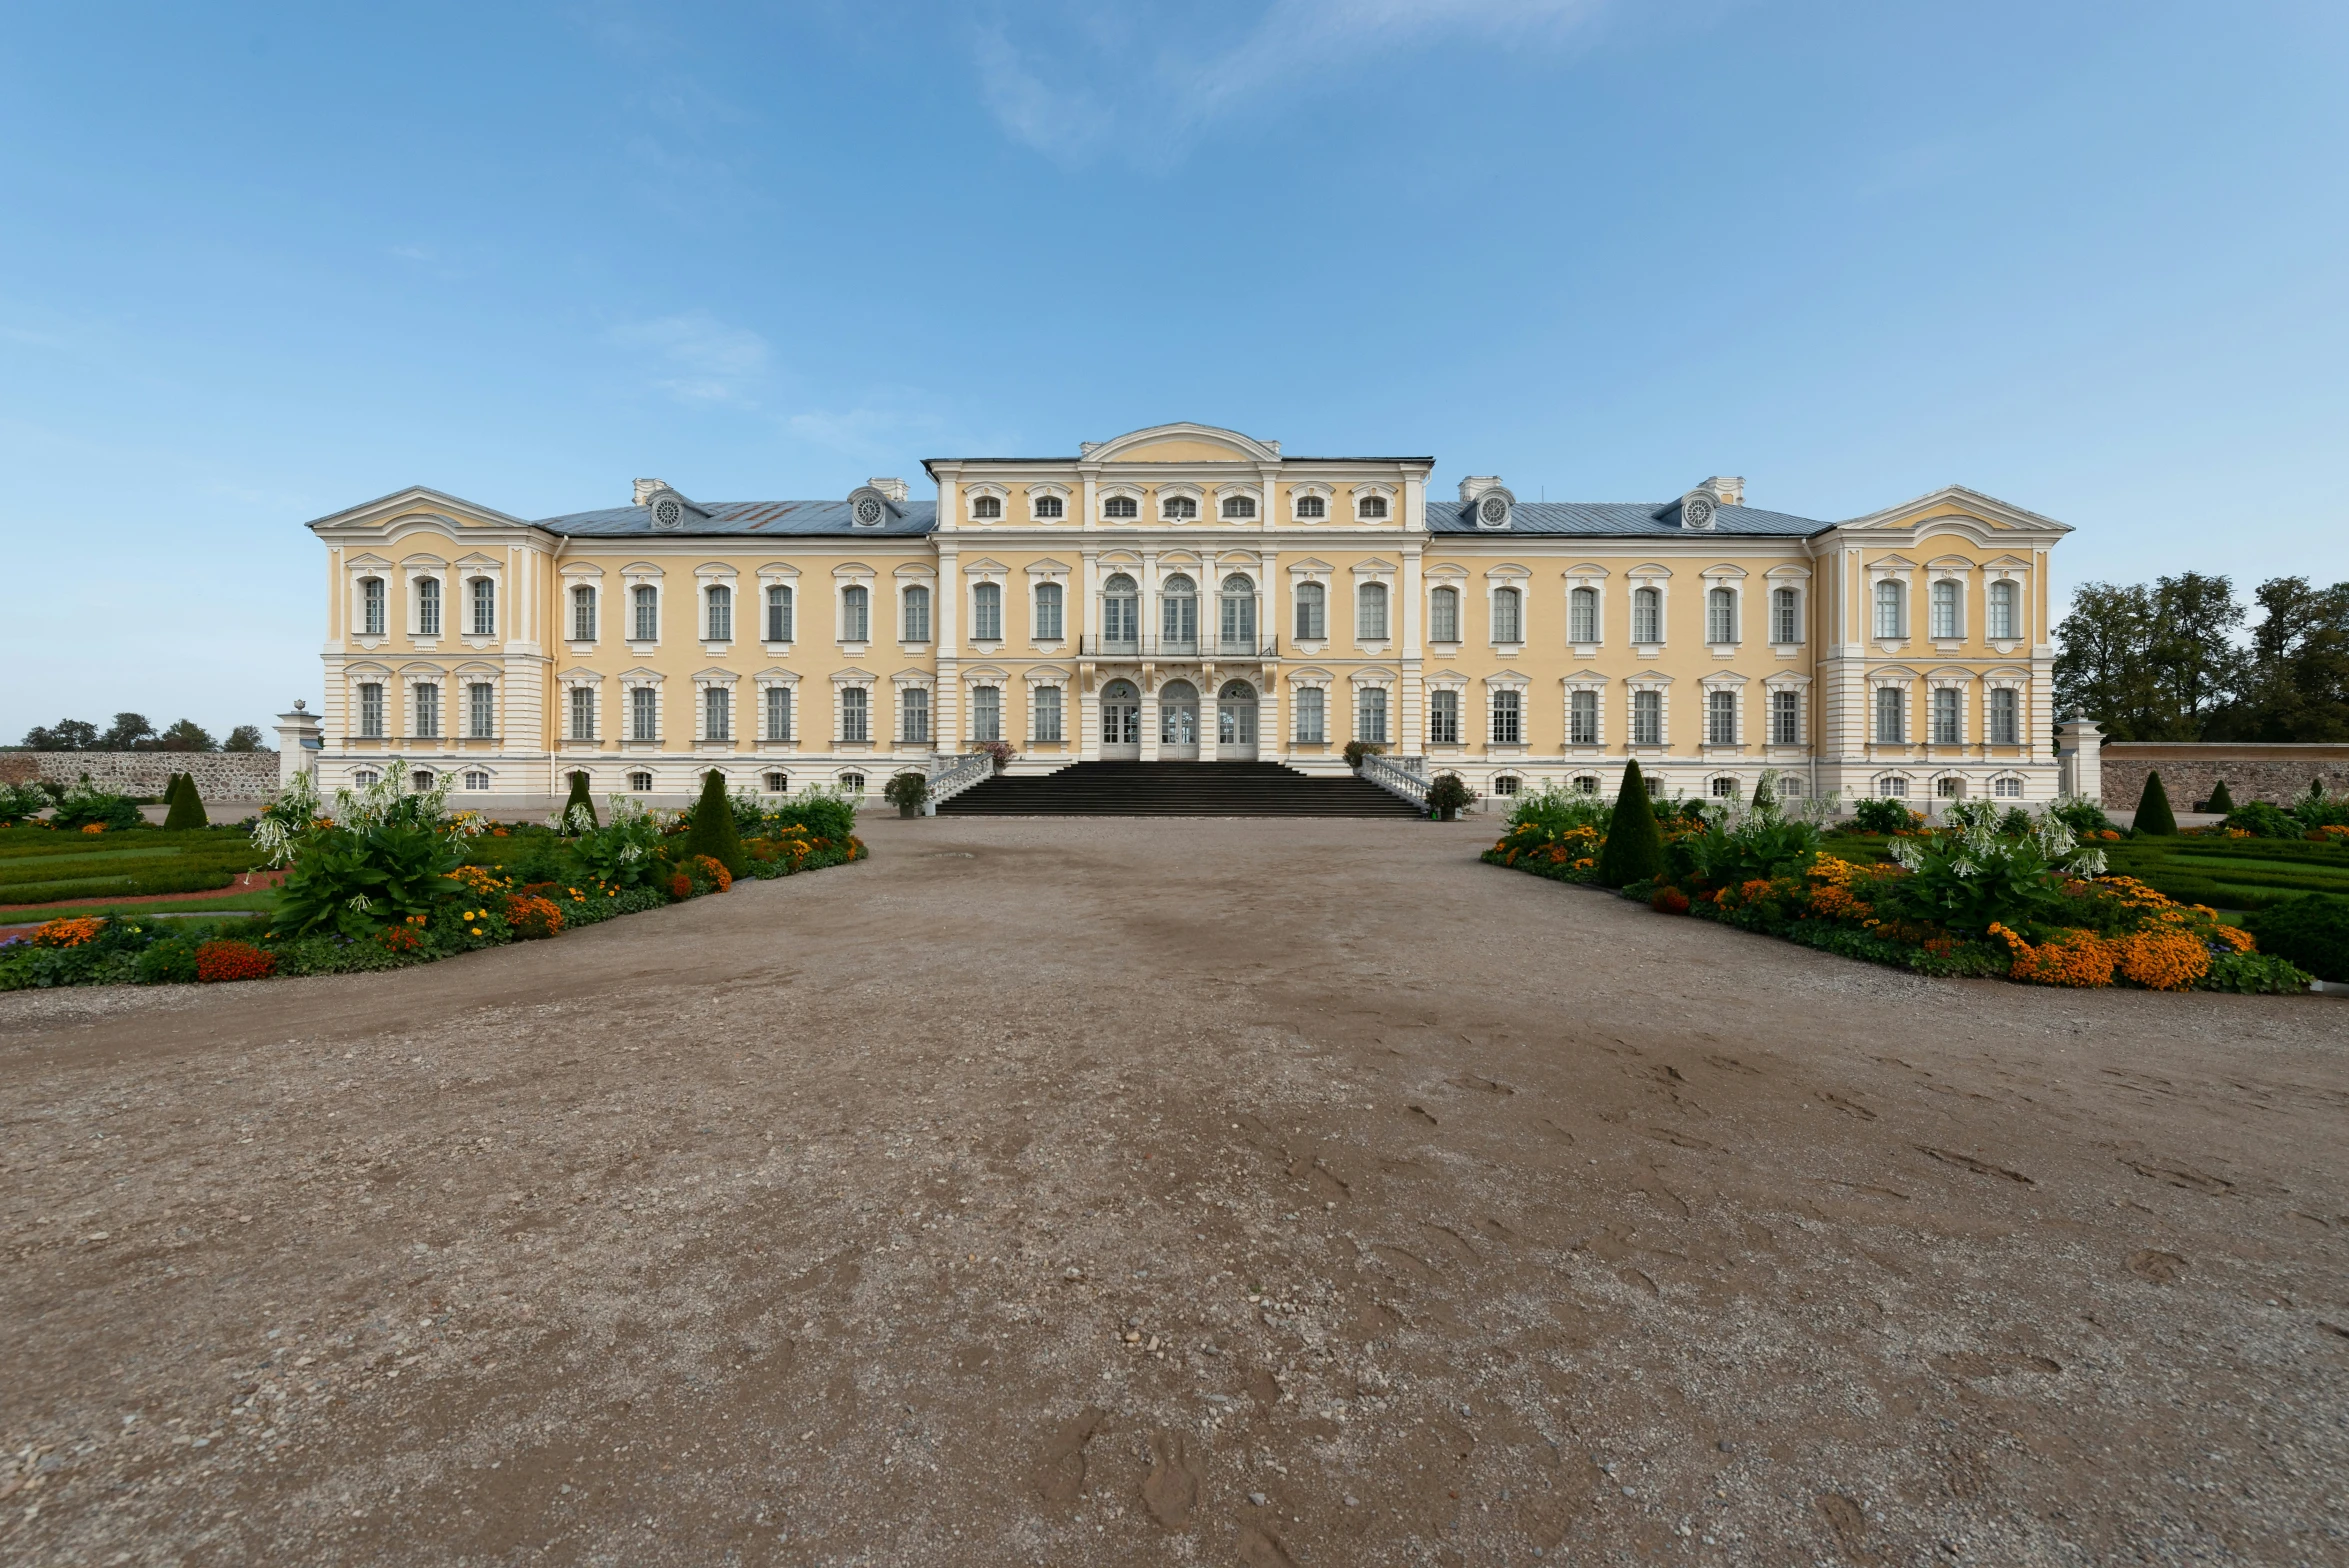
x: 1178, y: 722
x: 1121, y: 722
x: 1235, y: 723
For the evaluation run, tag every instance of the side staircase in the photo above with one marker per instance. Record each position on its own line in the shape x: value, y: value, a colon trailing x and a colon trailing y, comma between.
x: 1175, y: 789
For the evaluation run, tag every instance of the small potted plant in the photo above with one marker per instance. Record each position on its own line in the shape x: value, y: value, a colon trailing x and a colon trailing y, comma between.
x: 907, y: 792
x: 1356, y: 750
x: 1447, y: 796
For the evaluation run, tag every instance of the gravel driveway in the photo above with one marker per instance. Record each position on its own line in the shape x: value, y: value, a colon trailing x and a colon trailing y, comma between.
x: 1098, y: 1191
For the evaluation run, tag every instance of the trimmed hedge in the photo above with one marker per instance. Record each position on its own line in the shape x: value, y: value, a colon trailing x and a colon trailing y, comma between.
x: 2154, y: 817
x: 713, y: 832
x: 2312, y: 931
x: 186, y: 807
x: 1635, y: 844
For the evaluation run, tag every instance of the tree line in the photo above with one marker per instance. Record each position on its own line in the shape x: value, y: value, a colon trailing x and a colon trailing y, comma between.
x: 2182, y: 659
x: 132, y: 732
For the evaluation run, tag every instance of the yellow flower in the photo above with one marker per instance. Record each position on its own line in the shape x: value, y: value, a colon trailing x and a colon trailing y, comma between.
x: 477, y: 930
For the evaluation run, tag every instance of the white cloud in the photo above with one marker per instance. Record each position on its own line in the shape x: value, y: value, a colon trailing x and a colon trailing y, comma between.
x: 708, y: 361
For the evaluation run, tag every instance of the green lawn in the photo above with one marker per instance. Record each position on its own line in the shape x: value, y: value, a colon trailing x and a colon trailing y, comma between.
x: 43, y: 866
x: 2224, y: 873
x: 257, y: 903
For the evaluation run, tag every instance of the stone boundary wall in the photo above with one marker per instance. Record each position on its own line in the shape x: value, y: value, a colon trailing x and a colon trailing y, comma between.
x: 219, y: 775
x: 2190, y: 770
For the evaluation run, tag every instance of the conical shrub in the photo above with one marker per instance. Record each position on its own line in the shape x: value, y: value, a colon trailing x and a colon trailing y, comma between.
x: 1763, y: 794
x: 578, y: 802
x: 2220, y: 801
x: 183, y: 807
x: 1635, y: 844
x: 713, y: 832
x: 2154, y: 817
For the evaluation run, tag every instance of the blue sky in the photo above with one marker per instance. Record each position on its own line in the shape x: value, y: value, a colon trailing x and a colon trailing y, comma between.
x: 262, y: 262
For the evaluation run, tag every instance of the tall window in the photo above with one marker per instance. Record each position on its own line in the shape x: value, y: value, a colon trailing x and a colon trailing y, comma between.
x: 717, y: 713
x: 1047, y: 712
x: 720, y: 614
x: 1370, y: 615
x: 2002, y: 608
x: 371, y: 606
x: 987, y: 507
x: 1721, y: 615
x: 917, y: 613
x: 1721, y: 718
x: 1785, y: 719
x: 1582, y: 718
x: 428, y: 607
x: 644, y: 714
x: 1582, y: 615
x: 856, y: 624
x: 987, y: 613
x: 1647, y: 615
x: 779, y: 627
x: 1312, y: 612
x: 1370, y: 715
x: 370, y: 711
x: 1048, y: 613
x: 1945, y: 610
x: 1786, y: 622
x: 583, y: 613
x: 1047, y: 506
x: 2006, y: 725
x: 1891, y: 610
x: 1508, y: 615
x: 855, y: 713
x: 778, y: 713
x: 1948, y: 716
x: 1647, y: 718
x: 1443, y: 718
x: 583, y: 713
x: 1121, y: 506
x: 1178, y: 508
x: 1238, y: 508
x: 1891, y: 715
x: 1508, y: 718
x: 428, y: 710
x: 913, y: 715
x: 1178, y: 611
x: 645, y: 606
x: 1121, y: 610
x: 986, y: 713
x: 1238, y: 611
x: 485, y: 607
x: 1371, y: 507
x: 481, y: 710
x: 1310, y: 507
x: 1443, y: 615
x: 1312, y: 725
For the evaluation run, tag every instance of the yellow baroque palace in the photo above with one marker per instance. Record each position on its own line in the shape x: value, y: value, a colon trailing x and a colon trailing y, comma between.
x: 1187, y: 592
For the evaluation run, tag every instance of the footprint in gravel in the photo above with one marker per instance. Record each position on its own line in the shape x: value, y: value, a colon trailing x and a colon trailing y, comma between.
x: 1480, y: 1085
x: 1495, y: 1229
x: 1446, y: 1241
x: 1849, y: 1107
x: 1638, y: 1281
x: 1420, y: 1114
x: 1317, y: 1176
x: 2160, y: 1267
x: 2180, y: 1176
x: 1260, y: 1548
x: 1060, y: 1475
x: 1849, y: 1525
x: 1171, y: 1490
x: 1978, y: 1167
x: 1403, y: 1263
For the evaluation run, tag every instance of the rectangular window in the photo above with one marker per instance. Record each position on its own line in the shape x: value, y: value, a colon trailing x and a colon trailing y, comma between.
x: 987, y: 613
x: 1508, y: 616
x: 1945, y: 610
x: 720, y: 618
x: 583, y: 713
x: 1312, y: 612
x: 2002, y: 609
x: 986, y: 713
x: 1786, y: 625
x: 1508, y: 718
x: 370, y: 711
x: 371, y: 607
x: 913, y: 713
x: 1582, y: 718
x: 648, y: 612
x: 1891, y: 716
x: 1443, y: 718
x: 1048, y: 617
x: 1785, y: 719
x: 485, y: 607
x: 778, y: 713
x: 583, y: 614
x: 717, y: 713
x: 1370, y: 712
x: 1647, y: 615
x: 428, y: 607
x: 644, y: 713
x: 1444, y: 615
x: 1048, y: 705
x: 1370, y: 621
x: 1721, y: 616
x: 854, y: 715
x: 1948, y: 716
x: 2006, y: 721
x: 778, y: 613
x: 481, y: 711
x: 1582, y: 615
x: 1721, y: 718
x: 917, y: 614
x: 1647, y: 718
x: 855, y: 619
x: 1311, y: 724
x: 428, y: 711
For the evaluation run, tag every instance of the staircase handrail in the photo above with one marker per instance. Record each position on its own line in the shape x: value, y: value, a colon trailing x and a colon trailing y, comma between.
x: 1390, y: 774
x: 950, y: 776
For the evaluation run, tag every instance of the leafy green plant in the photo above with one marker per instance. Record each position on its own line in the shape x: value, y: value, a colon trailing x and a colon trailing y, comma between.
x: 1356, y: 750
x: 2319, y: 810
x: 84, y: 803
x: 712, y: 831
x: 1634, y: 850
x: 2311, y: 930
x: 21, y: 803
x: 579, y: 811
x: 1448, y: 795
x: 824, y: 814
x: 2079, y: 814
x: 2260, y: 819
x: 356, y: 881
x: 2254, y: 974
x: 1967, y: 876
x: 1882, y: 816
x: 1740, y: 847
x: 2154, y: 818
x: 1560, y: 810
x: 625, y: 851
x: 906, y: 791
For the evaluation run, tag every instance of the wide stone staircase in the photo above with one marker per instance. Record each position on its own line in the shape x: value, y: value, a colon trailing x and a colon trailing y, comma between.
x: 1175, y: 789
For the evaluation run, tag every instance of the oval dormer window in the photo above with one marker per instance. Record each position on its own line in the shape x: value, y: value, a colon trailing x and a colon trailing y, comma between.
x: 668, y: 512
x: 1697, y: 511
x: 869, y: 511
x: 1492, y: 511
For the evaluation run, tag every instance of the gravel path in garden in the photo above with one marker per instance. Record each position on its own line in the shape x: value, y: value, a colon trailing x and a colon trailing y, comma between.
x: 1100, y: 1191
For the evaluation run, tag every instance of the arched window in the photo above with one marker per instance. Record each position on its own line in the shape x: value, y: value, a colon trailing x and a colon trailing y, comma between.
x: 777, y: 783
x: 917, y: 613
x: 2002, y: 608
x: 371, y: 607
x: 986, y: 507
x: 1311, y: 506
x: 485, y: 607
x: 1237, y: 629
x: 640, y: 782
x: 646, y: 604
x: 1721, y: 718
x: 1048, y: 506
x: 366, y: 778
x: 1582, y: 615
x: 1121, y: 506
x: 1891, y: 610
x: 987, y: 613
x: 1508, y: 615
x: 855, y: 614
x: 428, y: 607
x: 719, y: 615
x: 583, y: 613
x: 1892, y: 787
x: 1121, y: 611
x: 1945, y: 610
x: 1892, y: 725
x: 1721, y: 616
x: 1238, y: 508
x: 1048, y: 614
x: 2007, y: 788
x: 1508, y: 718
x: 1725, y: 787
x: 1178, y: 611
x: 1370, y: 617
x: 420, y: 780
x: 1121, y: 714
x: 1586, y: 784
x: 1312, y: 612
x: 1371, y: 508
x: 1786, y: 619
x: 476, y: 779
x: 370, y: 710
x: 779, y: 628
x: 1647, y: 615
x: 1178, y: 508
x: 1443, y: 615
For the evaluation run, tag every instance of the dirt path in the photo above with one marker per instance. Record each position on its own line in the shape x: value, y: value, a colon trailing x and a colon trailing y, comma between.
x: 1468, y: 1215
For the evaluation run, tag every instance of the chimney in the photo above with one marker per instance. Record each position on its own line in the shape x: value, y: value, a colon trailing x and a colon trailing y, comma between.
x: 1477, y: 484
x: 894, y: 489
x: 1731, y: 491
x: 646, y: 489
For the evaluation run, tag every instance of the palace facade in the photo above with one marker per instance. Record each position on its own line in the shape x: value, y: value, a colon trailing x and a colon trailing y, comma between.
x: 1186, y: 592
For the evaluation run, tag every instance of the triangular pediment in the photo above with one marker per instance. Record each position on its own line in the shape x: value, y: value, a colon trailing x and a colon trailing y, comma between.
x: 418, y: 504
x: 1960, y: 507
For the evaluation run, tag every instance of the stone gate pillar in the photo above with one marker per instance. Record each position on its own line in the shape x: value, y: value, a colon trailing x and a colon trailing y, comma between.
x: 300, y: 737
x: 2079, y: 767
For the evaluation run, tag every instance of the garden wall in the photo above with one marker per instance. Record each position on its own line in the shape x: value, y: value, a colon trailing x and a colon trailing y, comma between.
x: 2190, y: 770
x: 219, y: 775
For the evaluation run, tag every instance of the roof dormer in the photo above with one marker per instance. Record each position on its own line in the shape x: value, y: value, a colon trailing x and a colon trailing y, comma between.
x: 671, y: 512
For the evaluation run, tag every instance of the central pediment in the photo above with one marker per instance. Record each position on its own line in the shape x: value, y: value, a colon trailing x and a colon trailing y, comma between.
x: 1183, y: 443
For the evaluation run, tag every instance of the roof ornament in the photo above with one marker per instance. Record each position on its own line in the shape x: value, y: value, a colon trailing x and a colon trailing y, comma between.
x: 670, y: 510
x: 868, y: 506
x: 1488, y: 500
x: 1697, y: 508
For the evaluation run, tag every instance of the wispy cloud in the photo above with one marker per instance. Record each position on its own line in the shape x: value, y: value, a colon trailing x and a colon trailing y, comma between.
x: 707, y: 360
x: 1041, y: 91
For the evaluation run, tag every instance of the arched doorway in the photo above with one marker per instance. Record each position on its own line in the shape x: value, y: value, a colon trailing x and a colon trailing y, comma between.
x: 1121, y: 722
x: 1235, y: 722
x: 1178, y: 722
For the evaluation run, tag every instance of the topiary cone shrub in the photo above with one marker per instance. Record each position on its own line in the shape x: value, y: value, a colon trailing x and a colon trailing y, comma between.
x: 183, y: 807
x: 2220, y: 801
x: 2154, y: 817
x: 579, y: 802
x: 1634, y: 850
x: 713, y: 832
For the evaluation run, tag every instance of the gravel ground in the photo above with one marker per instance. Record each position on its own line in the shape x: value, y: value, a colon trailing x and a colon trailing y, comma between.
x: 1072, y: 1192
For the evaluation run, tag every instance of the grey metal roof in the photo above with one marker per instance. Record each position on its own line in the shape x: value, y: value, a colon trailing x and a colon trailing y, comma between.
x: 1616, y: 519
x: 770, y: 519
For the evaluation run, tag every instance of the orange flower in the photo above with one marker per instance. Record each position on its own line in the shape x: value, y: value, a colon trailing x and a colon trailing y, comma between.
x: 2069, y: 958
x: 2162, y: 960
x: 67, y: 933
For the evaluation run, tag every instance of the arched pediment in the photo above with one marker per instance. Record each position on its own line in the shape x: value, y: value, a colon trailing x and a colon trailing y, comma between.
x: 1183, y: 443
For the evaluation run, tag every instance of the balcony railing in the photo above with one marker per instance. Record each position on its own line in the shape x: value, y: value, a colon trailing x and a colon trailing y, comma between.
x: 1095, y: 646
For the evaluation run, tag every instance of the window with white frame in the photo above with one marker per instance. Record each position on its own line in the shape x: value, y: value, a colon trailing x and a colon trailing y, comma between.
x: 1721, y: 616
x: 717, y: 713
x: 428, y: 710
x: 1892, y: 610
x: 1786, y: 718
x: 476, y: 779
x: 1948, y: 716
x: 1048, y: 506
x: 2007, y: 788
x: 421, y: 780
x: 1178, y: 611
x: 645, y: 604
x: 1786, y: 615
x: 1582, y: 615
x: 2006, y: 716
x: 1647, y: 615
x: 1371, y: 508
x: 1370, y: 715
x: 370, y: 710
x: 1370, y: 612
x: 1585, y: 784
x: 1892, y: 726
x: 718, y: 615
x: 428, y: 607
x: 1312, y: 724
x: 1508, y: 727
x: 1506, y: 784
x: 1946, y: 621
x: 1892, y: 787
x: 1508, y: 615
x: 986, y: 713
x: 1725, y: 787
x: 1047, y: 709
x: 366, y: 778
x: 1239, y: 508
x: 1121, y: 506
x: 1647, y: 718
x: 485, y: 607
x: 852, y: 783
x: 779, y: 627
x: 917, y: 614
x: 1311, y: 507
x: 583, y: 612
x: 644, y: 714
x: 1121, y: 610
x: 986, y: 508
x: 1178, y: 508
x: 1236, y: 614
x: 481, y: 711
x: 1312, y: 612
x: 913, y: 716
x: 1950, y: 788
x: 641, y: 782
x: 987, y: 613
x: 371, y: 614
x: 777, y: 782
x: 855, y: 714
x: 2002, y: 608
x: 778, y: 713
x: 1788, y: 786
x: 1049, y: 621
x: 1443, y: 718
x: 583, y: 713
x: 855, y: 614
x: 1721, y: 718
x: 1443, y: 615
x: 1582, y: 718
